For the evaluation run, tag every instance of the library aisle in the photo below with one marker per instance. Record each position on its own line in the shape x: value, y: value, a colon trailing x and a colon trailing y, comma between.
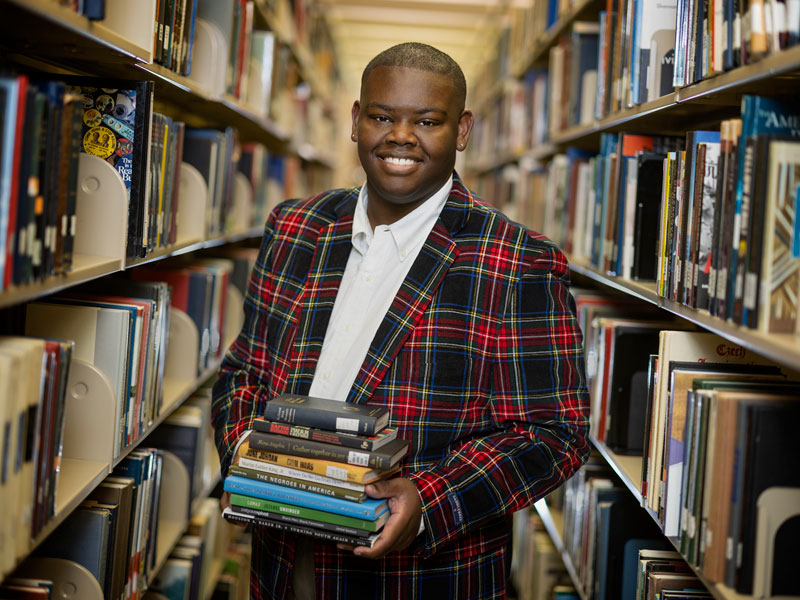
x: 143, y: 144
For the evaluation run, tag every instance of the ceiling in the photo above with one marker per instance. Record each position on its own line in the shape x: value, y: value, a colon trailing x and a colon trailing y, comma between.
x: 464, y: 29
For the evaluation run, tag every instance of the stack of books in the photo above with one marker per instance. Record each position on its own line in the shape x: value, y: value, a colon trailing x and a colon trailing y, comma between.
x: 306, y: 464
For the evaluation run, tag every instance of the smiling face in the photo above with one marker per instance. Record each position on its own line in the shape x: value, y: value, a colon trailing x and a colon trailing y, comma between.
x: 408, y: 125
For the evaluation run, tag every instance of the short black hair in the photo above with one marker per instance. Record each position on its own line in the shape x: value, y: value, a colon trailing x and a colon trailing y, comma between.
x: 414, y: 55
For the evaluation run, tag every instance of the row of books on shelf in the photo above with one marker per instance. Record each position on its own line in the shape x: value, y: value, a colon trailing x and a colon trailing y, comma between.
x: 51, y: 122
x: 615, y: 549
x: 709, y: 217
x: 114, y: 532
x: 637, y: 51
x: 713, y: 423
x: 120, y: 327
x: 305, y: 466
x: 218, y: 46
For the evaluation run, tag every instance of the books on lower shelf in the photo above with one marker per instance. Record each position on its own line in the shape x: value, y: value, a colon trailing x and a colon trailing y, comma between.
x: 284, y: 480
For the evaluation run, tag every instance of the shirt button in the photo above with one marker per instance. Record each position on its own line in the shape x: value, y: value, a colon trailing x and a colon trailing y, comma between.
x: 367, y: 277
x: 326, y: 375
x: 403, y: 254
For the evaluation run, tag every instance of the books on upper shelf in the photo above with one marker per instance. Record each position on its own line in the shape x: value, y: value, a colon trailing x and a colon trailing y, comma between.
x: 305, y: 466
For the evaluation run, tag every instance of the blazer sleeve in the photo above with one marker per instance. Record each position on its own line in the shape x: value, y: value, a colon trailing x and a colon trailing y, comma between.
x: 539, y: 409
x: 240, y: 391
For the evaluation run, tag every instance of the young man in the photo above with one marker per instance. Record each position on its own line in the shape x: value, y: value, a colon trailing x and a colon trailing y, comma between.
x: 413, y: 294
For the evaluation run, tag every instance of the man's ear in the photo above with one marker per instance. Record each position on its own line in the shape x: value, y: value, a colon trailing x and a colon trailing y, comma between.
x: 465, y: 123
x: 354, y: 112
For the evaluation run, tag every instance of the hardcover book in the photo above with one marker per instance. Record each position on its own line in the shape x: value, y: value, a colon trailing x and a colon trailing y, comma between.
x: 384, y: 458
x: 369, y: 509
x: 238, y: 517
x: 327, y: 414
x: 309, y: 514
x: 339, y: 438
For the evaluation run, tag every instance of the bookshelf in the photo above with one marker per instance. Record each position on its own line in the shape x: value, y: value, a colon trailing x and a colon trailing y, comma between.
x: 45, y: 36
x: 526, y: 173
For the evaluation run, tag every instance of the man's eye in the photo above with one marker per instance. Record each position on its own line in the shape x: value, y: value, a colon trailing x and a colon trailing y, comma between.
x: 381, y: 118
x: 427, y: 123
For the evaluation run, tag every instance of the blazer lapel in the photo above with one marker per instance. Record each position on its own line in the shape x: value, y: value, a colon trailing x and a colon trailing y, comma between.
x: 415, y: 293
x: 322, y: 284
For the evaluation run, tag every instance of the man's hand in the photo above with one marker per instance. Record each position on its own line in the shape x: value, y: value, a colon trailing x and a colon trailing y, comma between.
x: 403, y: 524
x: 225, y: 499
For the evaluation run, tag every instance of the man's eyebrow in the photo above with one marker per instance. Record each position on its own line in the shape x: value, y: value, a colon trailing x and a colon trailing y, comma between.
x: 419, y: 111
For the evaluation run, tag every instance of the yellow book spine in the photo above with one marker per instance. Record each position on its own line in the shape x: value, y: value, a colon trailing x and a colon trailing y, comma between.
x: 334, y: 470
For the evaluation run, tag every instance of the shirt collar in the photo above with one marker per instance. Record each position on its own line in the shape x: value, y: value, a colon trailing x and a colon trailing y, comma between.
x: 410, y: 231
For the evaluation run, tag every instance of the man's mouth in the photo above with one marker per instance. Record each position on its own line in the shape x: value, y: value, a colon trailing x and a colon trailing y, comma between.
x: 400, y: 162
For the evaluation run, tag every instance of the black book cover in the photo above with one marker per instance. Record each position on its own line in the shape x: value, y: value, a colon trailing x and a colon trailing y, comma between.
x: 627, y: 401
x: 646, y: 216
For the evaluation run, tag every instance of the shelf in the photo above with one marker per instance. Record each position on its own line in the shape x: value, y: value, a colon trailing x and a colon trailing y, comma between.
x: 783, y: 349
x: 76, y: 480
x: 60, y: 31
x: 194, y: 246
x: 627, y: 468
x: 553, y: 522
x: 85, y: 268
x: 707, y: 101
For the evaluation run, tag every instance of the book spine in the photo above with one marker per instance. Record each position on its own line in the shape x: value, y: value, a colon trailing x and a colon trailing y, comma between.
x: 297, y: 529
x: 254, y: 512
x: 290, y: 496
x: 299, y: 484
x: 265, y: 467
x: 311, y: 449
x: 307, y: 433
x: 302, y: 512
x: 321, y: 418
x: 339, y: 471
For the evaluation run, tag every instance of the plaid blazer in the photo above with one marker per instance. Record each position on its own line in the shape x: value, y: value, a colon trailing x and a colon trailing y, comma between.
x: 479, y: 360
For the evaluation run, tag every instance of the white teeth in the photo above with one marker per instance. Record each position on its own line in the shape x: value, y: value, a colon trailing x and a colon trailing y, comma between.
x: 399, y: 161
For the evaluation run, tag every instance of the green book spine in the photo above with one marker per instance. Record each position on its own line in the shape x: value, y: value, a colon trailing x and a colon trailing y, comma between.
x: 305, y: 513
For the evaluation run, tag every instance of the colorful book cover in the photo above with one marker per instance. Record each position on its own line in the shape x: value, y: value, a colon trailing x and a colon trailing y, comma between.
x: 369, y: 509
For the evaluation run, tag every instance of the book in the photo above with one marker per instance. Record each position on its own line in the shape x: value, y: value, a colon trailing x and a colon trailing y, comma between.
x: 332, y: 470
x: 309, y: 514
x: 369, y: 509
x: 300, y: 484
x: 339, y: 438
x: 117, y: 117
x: 383, y: 458
x: 276, y: 469
x: 327, y: 414
x: 314, y: 532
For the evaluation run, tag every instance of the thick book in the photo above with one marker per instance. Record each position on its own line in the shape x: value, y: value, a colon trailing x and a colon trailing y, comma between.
x: 384, y: 458
x: 299, y: 484
x: 309, y: 514
x: 369, y: 509
x: 327, y: 414
x: 332, y: 470
x: 285, y: 518
x: 267, y: 467
x: 322, y: 534
x: 338, y: 438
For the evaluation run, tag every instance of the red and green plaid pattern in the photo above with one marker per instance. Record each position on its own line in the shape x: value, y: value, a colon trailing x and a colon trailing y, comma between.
x: 479, y: 360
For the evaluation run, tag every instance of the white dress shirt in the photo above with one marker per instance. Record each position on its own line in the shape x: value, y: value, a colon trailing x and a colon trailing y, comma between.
x: 379, y: 262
